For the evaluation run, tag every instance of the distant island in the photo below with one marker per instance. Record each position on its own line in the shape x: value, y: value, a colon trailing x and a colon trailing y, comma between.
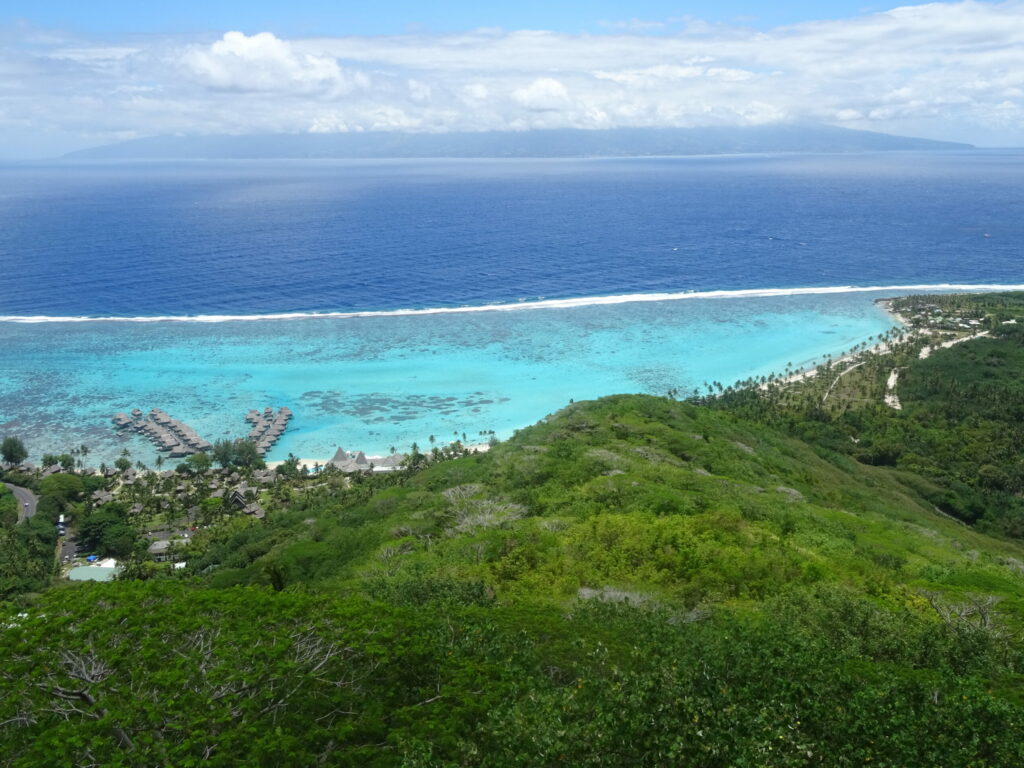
x: 619, y: 142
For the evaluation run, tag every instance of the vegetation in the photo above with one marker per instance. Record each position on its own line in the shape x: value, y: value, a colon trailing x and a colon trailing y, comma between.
x: 12, y: 450
x: 960, y: 423
x: 8, y: 508
x: 237, y: 453
x: 26, y: 550
x: 351, y: 682
x: 787, y: 575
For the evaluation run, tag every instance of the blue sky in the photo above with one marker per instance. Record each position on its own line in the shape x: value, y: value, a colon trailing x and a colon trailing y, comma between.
x: 308, y: 17
x: 79, y: 74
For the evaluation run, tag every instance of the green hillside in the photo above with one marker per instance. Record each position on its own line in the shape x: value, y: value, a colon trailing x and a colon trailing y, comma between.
x: 661, y: 500
x: 632, y: 581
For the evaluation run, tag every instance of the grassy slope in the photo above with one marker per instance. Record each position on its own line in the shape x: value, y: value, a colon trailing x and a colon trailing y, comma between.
x: 772, y: 617
x: 649, y: 496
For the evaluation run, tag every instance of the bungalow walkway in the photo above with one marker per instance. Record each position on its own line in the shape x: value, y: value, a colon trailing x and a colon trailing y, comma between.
x: 167, y: 434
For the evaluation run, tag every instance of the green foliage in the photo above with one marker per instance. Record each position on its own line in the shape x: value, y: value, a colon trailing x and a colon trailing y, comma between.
x: 237, y: 453
x: 961, y: 420
x: 196, y: 464
x: 8, y: 508
x: 211, y: 510
x: 289, y: 467
x: 64, y: 460
x: 820, y: 677
x: 26, y: 557
x: 633, y: 581
x: 63, y: 487
x: 12, y: 450
x: 106, y: 532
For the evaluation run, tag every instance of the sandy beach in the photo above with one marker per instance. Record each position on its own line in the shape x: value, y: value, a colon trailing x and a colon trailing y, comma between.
x: 880, y: 348
x: 311, y: 463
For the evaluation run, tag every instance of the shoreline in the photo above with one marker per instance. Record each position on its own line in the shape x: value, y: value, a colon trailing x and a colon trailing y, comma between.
x: 569, y: 303
x: 884, y: 303
x: 810, y: 372
x: 309, y: 463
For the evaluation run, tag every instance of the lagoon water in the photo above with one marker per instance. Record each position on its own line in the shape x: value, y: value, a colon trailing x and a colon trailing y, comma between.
x: 214, y: 245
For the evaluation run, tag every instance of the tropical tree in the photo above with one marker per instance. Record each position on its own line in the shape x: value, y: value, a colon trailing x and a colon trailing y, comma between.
x: 13, y: 450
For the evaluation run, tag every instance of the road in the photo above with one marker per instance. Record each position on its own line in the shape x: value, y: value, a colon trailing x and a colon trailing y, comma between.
x: 26, y: 501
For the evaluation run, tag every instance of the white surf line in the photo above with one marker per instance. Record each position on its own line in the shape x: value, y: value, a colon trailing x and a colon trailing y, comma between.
x: 926, y: 351
x: 750, y: 293
x: 891, y: 398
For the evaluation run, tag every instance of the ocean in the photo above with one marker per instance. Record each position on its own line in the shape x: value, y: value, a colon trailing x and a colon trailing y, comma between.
x: 387, y: 302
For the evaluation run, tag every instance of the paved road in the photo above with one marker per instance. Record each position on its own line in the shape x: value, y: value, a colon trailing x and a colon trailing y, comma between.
x: 26, y: 501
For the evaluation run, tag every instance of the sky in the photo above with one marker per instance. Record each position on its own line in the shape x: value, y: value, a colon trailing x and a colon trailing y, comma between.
x: 77, y: 74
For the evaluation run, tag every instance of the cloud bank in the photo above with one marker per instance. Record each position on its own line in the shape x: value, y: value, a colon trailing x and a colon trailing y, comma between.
x: 942, y: 70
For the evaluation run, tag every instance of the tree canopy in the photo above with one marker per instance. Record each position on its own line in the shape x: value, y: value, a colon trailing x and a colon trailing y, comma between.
x: 13, y: 450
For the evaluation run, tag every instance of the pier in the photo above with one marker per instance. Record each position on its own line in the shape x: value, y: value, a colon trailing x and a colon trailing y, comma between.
x: 168, y: 434
x: 267, y: 427
x: 177, y: 438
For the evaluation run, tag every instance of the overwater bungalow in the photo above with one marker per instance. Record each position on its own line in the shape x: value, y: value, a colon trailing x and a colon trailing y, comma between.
x: 166, y: 433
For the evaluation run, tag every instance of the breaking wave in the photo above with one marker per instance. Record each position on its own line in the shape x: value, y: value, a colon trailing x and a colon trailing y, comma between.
x: 587, y: 301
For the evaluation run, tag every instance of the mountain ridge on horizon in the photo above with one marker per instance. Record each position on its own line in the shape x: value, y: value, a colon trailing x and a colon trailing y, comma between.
x: 546, y: 143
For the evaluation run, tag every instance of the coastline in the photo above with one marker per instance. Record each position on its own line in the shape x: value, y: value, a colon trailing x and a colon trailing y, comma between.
x: 811, y: 371
x: 311, y: 463
x: 372, y: 387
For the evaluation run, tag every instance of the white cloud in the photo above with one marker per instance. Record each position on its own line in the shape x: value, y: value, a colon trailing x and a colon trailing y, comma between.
x: 544, y: 93
x: 475, y: 91
x: 952, y: 70
x: 262, y: 62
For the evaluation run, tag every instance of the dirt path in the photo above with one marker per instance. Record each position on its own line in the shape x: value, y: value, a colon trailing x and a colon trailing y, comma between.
x: 837, y: 378
x: 947, y: 344
x: 891, y: 398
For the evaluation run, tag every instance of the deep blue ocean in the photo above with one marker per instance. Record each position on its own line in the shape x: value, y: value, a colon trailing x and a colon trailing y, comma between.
x: 238, y: 239
x: 281, y: 236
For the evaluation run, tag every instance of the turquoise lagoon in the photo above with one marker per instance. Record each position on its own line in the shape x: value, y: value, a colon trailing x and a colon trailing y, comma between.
x: 377, y: 381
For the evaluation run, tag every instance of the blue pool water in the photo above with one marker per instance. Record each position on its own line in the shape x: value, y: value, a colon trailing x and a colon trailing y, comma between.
x: 223, y: 240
